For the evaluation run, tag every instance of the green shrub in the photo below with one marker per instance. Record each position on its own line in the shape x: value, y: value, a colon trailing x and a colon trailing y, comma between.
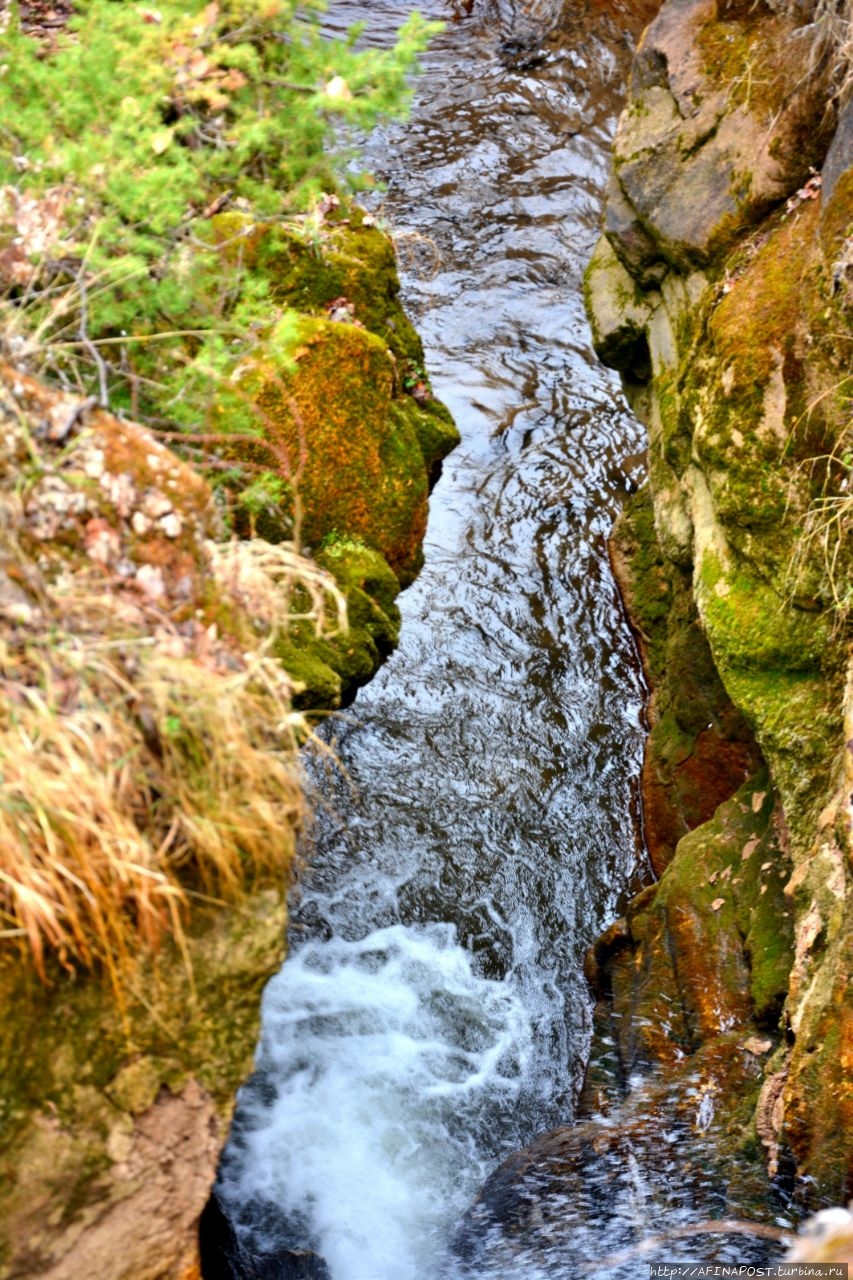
x: 118, y: 145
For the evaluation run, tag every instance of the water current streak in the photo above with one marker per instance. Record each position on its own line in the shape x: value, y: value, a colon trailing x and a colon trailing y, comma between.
x: 434, y: 1014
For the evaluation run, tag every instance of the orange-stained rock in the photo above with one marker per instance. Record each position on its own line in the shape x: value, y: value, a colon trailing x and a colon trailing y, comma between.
x: 335, y: 431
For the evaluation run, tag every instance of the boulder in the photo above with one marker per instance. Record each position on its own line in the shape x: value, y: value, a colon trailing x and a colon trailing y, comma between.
x: 714, y: 134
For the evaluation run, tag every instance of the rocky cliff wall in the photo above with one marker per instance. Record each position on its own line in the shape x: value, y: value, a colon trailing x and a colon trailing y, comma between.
x: 154, y: 655
x: 721, y: 290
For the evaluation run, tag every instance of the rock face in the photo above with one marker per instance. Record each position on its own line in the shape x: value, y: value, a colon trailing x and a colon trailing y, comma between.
x: 123, y: 1046
x: 112, y: 1124
x: 720, y: 290
x: 341, y: 413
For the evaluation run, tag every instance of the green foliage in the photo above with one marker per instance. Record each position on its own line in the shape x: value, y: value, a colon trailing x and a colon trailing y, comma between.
x: 263, y: 495
x: 125, y: 139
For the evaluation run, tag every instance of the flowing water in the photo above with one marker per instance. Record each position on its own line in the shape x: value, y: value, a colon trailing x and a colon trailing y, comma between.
x: 433, y: 1014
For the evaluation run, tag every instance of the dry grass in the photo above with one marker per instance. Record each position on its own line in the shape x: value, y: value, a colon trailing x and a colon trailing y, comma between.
x: 827, y: 28
x: 821, y: 565
x: 266, y: 579
x: 822, y: 554
x: 141, y: 765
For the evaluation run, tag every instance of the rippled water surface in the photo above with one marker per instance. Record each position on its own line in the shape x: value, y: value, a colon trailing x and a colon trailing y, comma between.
x: 433, y: 1015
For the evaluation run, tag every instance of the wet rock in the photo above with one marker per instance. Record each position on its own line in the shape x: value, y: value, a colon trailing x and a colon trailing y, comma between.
x: 699, y: 749
x: 619, y: 314
x: 686, y: 1052
x: 223, y: 1257
x: 603, y: 1186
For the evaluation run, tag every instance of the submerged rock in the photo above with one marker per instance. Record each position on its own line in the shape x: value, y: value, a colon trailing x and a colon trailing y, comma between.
x: 223, y: 1257
x: 665, y: 1159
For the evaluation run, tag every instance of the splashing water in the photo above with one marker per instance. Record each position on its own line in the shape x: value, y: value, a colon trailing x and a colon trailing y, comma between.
x: 383, y: 1051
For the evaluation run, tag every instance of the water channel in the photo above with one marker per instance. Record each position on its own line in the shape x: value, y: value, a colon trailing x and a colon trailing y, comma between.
x: 433, y: 1014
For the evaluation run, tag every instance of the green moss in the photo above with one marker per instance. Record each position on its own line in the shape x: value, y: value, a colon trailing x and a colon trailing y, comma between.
x: 726, y: 914
x: 836, y: 219
x: 645, y: 577
x: 766, y: 923
x: 344, y: 259
x: 759, y: 316
x: 675, y: 419
x: 728, y: 51
x: 68, y: 1055
x: 331, y: 668
x: 433, y: 426
x: 770, y: 658
x: 363, y: 452
x: 318, y: 685
x: 357, y: 567
x: 328, y: 429
x: 750, y: 627
x: 776, y: 699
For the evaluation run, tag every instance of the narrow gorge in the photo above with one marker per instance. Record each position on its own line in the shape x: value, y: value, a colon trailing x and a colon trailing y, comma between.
x: 568, y: 934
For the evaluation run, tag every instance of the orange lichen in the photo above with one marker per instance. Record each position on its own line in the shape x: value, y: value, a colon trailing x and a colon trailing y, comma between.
x: 350, y: 465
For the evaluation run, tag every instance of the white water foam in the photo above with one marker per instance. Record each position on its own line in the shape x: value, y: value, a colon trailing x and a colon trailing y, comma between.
x: 385, y: 1057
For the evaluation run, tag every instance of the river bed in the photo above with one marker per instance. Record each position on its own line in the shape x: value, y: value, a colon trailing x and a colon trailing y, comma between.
x: 433, y: 1015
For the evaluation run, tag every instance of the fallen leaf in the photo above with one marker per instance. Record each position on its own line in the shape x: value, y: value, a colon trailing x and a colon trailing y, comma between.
x: 233, y: 80
x: 198, y: 66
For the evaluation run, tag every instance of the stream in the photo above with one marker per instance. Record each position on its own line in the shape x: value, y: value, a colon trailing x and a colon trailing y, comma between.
x: 432, y: 1015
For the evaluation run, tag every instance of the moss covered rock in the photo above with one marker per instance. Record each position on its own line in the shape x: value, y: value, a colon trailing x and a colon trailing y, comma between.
x: 700, y: 748
x: 330, y: 668
x: 714, y: 134
x: 747, y: 403
x: 343, y: 412
x: 113, y: 1117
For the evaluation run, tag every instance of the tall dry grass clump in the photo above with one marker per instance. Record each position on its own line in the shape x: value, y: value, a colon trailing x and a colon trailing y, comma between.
x: 141, y: 766
x: 826, y: 27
